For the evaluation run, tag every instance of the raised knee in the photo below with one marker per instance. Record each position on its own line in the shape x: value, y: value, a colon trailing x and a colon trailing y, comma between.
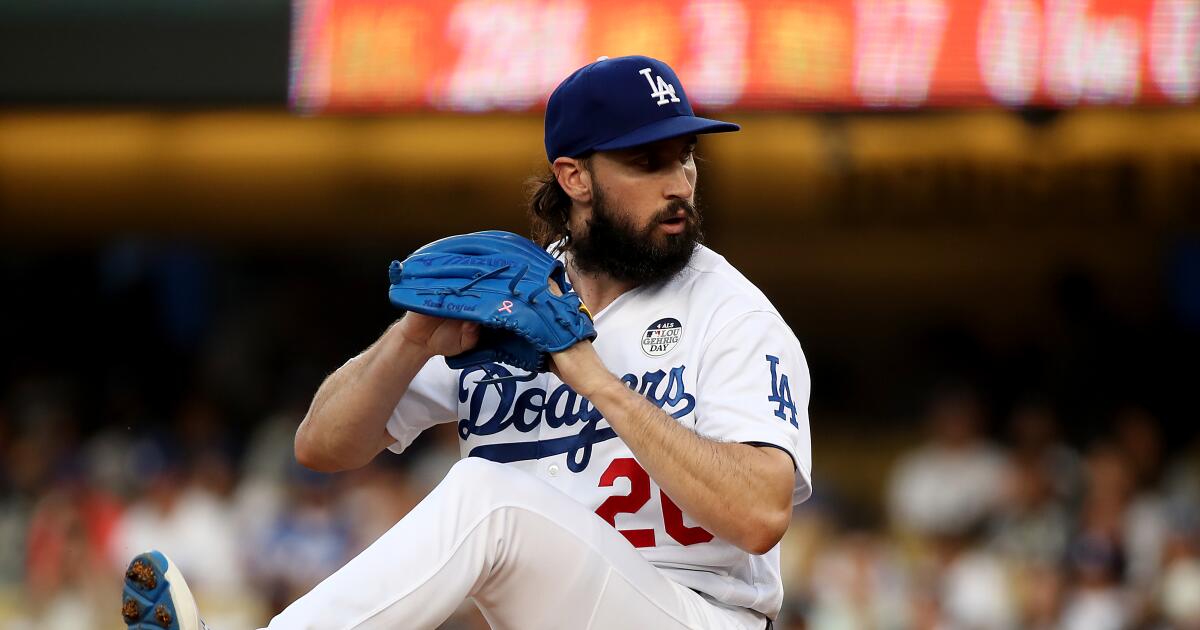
x: 491, y: 482
x: 470, y: 469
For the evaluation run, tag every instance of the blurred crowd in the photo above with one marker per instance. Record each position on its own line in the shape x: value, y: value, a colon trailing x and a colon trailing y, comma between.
x: 1005, y: 528
x: 1025, y: 531
x: 252, y: 529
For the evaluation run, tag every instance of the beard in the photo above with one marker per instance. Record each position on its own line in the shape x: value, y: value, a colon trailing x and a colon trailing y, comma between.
x: 615, y: 247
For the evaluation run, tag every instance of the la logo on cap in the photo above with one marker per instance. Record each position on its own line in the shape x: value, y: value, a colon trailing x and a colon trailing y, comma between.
x: 659, y: 88
x: 599, y: 107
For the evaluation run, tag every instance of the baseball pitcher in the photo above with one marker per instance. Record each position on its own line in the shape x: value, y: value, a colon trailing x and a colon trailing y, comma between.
x: 632, y: 411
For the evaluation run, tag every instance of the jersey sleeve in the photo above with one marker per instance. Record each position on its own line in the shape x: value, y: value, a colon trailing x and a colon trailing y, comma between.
x: 430, y: 400
x: 753, y: 387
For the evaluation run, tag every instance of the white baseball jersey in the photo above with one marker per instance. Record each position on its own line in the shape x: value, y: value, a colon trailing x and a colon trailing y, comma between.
x: 710, y: 350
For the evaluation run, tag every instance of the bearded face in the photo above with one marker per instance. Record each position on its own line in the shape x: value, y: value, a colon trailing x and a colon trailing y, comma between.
x: 616, y: 245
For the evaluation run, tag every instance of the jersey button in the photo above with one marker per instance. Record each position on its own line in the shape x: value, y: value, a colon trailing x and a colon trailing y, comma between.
x: 552, y: 469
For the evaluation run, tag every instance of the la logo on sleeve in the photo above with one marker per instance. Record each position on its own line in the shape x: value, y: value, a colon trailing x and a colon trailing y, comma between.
x: 661, y: 337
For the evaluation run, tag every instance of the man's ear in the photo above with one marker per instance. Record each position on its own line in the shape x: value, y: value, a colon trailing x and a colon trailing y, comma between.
x: 574, y: 178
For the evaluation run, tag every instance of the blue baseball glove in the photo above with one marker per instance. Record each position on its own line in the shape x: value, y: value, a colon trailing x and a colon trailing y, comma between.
x: 500, y: 280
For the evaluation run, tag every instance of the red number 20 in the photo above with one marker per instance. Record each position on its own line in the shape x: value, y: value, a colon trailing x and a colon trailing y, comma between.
x: 639, y: 495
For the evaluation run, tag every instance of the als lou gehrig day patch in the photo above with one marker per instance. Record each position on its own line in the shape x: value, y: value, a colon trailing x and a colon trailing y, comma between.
x: 661, y: 337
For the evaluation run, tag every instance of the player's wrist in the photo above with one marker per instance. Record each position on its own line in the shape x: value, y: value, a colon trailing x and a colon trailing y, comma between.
x: 580, y: 367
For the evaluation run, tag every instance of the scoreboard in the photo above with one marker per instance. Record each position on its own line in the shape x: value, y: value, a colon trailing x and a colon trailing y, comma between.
x: 484, y: 55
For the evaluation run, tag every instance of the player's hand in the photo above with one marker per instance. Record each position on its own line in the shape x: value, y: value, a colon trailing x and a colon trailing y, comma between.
x: 435, y: 335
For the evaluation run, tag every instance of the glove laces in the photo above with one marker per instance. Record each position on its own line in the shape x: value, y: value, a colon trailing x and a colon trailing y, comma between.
x: 476, y: 280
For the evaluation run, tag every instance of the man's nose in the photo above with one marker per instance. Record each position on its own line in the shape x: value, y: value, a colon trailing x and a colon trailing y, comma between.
x: 679, y: 185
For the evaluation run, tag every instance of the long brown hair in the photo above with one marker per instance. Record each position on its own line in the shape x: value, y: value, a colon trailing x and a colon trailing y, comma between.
x: 550, y: 210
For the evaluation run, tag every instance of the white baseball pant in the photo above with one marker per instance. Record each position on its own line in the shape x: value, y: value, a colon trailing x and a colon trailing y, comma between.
x: 529, y: 555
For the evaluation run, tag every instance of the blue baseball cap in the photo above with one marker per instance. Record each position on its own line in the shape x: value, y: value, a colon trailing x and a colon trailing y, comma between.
x: 620, y: 103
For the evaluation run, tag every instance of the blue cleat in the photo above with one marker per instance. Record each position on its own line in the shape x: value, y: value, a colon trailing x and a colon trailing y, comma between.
x: 156, y: 597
